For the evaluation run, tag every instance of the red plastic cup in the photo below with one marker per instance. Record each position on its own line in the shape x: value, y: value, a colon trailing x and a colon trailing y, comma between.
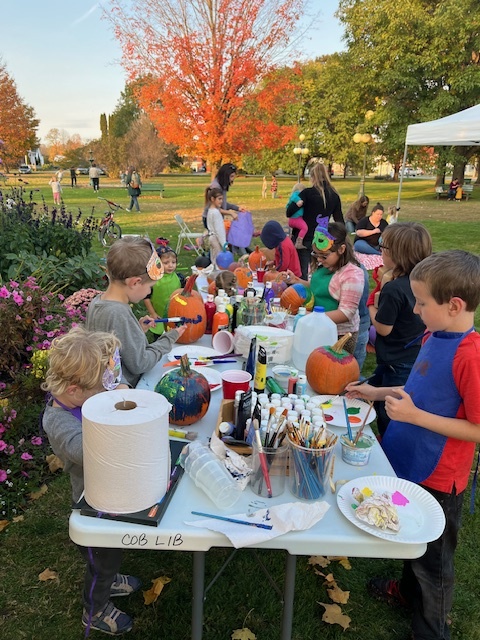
x: 260, y: 275
x: 235, y: 380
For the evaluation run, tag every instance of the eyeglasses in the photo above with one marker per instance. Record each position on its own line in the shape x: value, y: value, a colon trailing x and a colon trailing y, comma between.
x: 321, y: 256
x: 381, y: 244
x: 383, y: 248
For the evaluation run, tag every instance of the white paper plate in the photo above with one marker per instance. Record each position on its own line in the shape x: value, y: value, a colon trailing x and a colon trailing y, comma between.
x: 193, y: 351
x: 421, y: 519
x: 212, y: 375
x: 338, y: 413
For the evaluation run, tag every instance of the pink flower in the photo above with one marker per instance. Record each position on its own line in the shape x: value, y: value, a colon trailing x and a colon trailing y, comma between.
x: 3, y: 445
x: 36, y: 441
x: 50, y: 334
x: 4, y: 292
x: 41, y: 321
x: 29, y: 298
x: 49, y: 317
x: 26, y: 456
x: 17, y: 298
x: 28, y: 348
x: 10, y: 449
x: 3, y: 475
x: 13, y: 284
x: 60, y: 297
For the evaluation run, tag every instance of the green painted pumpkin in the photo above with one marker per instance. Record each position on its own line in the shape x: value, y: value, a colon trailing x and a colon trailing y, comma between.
x: 188, y: 392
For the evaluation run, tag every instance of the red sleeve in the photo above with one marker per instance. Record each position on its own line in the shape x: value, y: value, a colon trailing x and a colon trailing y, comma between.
x: 287, y: 258
x: 466, y: 373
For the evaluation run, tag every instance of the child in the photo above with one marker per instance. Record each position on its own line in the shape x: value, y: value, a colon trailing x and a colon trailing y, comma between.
x: 435, y: 423
x: 392, y: 215
x: 56, y: 189
x: 403, y: 245
x: 264, y: 187
x: 296, y: 220
x: 133, y: 267
x: 157, y: 301
x: 81, y: 364
x: 215, y: 225
x: 274, y: 187
x: 286, y: 257
x: 355, y: 212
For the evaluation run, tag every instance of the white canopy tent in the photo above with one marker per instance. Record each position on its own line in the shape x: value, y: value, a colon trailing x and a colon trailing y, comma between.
x: 461, y: 129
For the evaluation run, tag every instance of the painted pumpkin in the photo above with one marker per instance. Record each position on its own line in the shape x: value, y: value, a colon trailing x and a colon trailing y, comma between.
x: 257, y: 260
x: 189, y: 304
x: 188, y: 392
x: 330, y: 369
x: 295, y: 296
x: 243, y: 274
x: 234, y: 265
x: 224, y: 259
x: 278, y: 283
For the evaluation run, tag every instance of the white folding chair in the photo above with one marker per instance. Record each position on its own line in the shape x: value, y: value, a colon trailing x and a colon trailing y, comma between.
x: 187, y: 235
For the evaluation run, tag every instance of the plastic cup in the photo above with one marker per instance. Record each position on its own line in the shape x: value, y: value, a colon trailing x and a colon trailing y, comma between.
x: 277, y: 469
x: 359, y: 455
x: 260, y: 275
x: 235, y: 380
x: 309, y: 470
x: 222, y: 342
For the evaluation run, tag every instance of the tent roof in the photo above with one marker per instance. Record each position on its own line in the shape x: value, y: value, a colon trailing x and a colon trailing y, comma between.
x: 459, y: 129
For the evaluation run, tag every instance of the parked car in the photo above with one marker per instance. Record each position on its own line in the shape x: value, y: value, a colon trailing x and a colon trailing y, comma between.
x: 411, y: 173
x: 24, y: 168
x: 82, y: 171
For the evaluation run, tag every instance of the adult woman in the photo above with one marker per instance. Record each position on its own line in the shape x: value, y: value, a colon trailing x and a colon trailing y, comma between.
x: 223, y: 180
x: 369, y: 231
x: 134, y: 184
x: 337, y: 281
x: 355, y: 212
x: 321, y: 199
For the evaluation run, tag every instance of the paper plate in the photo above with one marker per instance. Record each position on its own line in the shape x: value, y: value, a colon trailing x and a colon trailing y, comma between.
x: 337, y: 412
x: 212, y: 375
x: 421, y: 519
x: 193, y: 352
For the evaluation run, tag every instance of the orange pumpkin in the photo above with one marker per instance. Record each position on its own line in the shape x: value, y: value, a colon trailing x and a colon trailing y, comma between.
x: 295, y: 296
x: 330, y: 369
x: 212, y: 288
x: 188, y: 303
x: 243, y: 275
x: 257, y: 260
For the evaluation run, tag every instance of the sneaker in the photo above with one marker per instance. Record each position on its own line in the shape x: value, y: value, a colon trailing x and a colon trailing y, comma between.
x: 299, y: 244
x: 387, y: 591
x: 124, y: 585
x: 128, y: 210
x: 110, y: 620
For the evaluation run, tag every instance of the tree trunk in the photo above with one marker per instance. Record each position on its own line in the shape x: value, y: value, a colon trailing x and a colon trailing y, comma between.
x: 477, y: 169
x: 459, y: 171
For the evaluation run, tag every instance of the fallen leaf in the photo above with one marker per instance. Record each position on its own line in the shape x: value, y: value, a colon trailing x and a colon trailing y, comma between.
x: 333, y: 615
x: 243, y: 634
x: 155, y: 590
x: 35, y: 495
x: 322, y: 561
x: 337, y: 595
x: 4, y: 524
x: 329, y: 579
x: 19, y: 518
x: 343, y: 560
x: 54, y: 463
x: 47, y: 575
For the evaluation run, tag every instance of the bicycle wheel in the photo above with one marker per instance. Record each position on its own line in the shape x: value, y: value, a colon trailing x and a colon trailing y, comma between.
x: 110, y: 233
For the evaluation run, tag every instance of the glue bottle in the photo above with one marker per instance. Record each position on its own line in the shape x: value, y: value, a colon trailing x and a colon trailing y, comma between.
x: 210, y: 308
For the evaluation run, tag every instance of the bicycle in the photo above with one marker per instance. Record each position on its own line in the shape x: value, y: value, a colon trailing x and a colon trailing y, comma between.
x: 109, y: 230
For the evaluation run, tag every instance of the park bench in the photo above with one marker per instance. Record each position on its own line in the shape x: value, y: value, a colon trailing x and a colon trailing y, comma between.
x: 442, y: 190
x: 153, y: 187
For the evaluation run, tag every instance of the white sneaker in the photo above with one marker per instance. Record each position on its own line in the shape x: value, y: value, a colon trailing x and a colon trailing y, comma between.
x: 128, y: 210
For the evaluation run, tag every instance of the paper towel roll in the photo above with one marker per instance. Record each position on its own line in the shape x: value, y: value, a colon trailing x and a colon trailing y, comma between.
x: 126, y: 452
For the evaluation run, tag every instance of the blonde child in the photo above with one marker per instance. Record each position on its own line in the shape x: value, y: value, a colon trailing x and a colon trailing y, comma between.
x: 156, y: 302
x: 296, y: 221
x: 392, y: 215
x: 56, y: 189
x: 82, y: 364
x: 215, y: 224
x: 133, y: 267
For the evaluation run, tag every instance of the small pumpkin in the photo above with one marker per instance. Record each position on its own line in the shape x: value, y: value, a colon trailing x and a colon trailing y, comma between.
x: 278, y: 283
x: 257, y: 259
x: 330, y: 369
x: 188, y: 303
x: 295, y: 296
x: 243, y: 274
x: 234, y: 265
x: 188, y: 392
x: 224, y: 259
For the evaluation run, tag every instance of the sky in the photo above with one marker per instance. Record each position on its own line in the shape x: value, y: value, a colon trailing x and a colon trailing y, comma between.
x: 66, y: 62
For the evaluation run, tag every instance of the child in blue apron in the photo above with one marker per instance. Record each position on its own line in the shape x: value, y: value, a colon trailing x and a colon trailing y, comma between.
x: 434, y: 425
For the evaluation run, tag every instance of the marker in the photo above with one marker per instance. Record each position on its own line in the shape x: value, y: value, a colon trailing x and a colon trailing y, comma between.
x: 259, y: 525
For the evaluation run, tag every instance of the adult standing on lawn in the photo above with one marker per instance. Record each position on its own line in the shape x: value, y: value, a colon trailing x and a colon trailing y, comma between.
x: 73, y: 177
x: 134, y: 183
x: 223, y: 180
x: 94, y: 175
x: 319, y: 200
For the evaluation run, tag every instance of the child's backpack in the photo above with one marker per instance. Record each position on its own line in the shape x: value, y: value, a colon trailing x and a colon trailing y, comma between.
x: 135, y: 180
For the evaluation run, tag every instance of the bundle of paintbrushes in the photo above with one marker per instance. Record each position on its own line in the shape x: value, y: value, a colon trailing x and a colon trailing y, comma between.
x: 276, y: 429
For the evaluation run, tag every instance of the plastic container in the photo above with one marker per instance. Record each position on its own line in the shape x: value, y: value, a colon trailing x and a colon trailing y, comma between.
x: 301, y: 313
x: 220, y: 320
x: 277, y: 468
x: 210, y: 308
x: 359, y: 455
x: 210, y: 475
x: 312, y: 331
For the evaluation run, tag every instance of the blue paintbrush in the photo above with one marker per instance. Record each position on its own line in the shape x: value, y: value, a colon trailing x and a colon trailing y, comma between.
x: 349, y: 428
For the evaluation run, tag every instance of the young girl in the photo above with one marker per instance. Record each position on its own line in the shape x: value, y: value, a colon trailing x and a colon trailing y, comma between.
x: 56, y: 189
x: 355, y: 212
x: 286, y: 257
x: 215, y: 225
x: 403, y: 245
x: 274, y: 187
x: 82, y: 364
x: 157, y: 302
x: 337, y: 280
x: 296, y: 221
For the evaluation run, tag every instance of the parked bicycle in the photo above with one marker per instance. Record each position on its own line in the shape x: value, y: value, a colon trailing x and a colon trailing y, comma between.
x: 109, y: 230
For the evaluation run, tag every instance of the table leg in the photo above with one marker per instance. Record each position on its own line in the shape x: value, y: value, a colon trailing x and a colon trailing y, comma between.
x: 288, y: 596
x: 197, y: 595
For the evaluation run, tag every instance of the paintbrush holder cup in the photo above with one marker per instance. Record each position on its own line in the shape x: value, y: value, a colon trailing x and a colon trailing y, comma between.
x: 309, y: 470
x: 358, y: 455
x: 277, y: 469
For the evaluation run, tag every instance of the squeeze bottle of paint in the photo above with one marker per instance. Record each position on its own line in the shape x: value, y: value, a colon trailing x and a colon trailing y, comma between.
x: 268, y: 296
x: 313, y: 330
x: 302, y: 311
x: 251, y: 288
x: 220, y: 320
x: 292, y: 381
x: 301, y: 387
x: 210, y: 308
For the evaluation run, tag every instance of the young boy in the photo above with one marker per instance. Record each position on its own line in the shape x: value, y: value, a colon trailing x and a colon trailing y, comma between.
x: 133, y: 267
x: 434, y: 425
x: 286, y: 257
x: 82, y: 364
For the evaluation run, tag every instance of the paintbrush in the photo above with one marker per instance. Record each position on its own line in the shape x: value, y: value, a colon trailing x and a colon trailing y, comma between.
x: 349, y: 428
x: 178, y: 433
x: 358, y: 435
x: 263, y: 458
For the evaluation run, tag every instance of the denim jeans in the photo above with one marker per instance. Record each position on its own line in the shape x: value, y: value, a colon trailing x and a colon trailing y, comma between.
x: 360, y: 352
x: 350, y: 226
x: 102, y: 566
x: 134, y: 203
x: 428, y: 582
x: 388, y: 375
x: 362, y: 246
x: 305, y: 258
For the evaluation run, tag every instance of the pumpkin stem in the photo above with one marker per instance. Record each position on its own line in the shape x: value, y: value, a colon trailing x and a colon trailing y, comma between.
x: 338, y: 346
x: 185, y: 365
x: 187, y: 289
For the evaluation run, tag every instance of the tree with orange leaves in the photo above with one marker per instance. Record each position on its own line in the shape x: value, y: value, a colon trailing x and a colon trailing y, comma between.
x: 18, y: 124
x: 206, y: 70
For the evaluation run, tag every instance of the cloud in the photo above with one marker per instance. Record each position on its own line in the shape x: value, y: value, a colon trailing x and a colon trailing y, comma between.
x: 86, y: 15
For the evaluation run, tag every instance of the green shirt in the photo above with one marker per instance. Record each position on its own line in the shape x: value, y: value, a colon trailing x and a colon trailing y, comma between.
x: 319, y: 284
x: 161, y: 292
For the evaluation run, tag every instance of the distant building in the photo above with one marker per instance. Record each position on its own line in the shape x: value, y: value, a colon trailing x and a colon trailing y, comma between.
x: 35, y: 158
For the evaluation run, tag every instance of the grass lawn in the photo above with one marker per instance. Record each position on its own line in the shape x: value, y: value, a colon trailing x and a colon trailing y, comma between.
x: 31, y: 609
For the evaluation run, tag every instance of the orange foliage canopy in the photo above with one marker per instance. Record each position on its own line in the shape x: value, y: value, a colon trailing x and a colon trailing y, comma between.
x: 207, y: 70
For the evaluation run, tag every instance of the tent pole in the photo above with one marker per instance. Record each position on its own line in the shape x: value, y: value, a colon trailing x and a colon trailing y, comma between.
x: 402, y: 170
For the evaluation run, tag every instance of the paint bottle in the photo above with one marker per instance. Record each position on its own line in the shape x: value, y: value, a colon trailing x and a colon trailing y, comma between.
x: 273, y: 386
x: 292, y: 381
x: 260, y: 371
x: 219, y: 298
x: 210, y: 308
x: 234, y: 319
x: 301, y: 387
x: 268, y: 296
x: 249, y: 288
x: 220, y: 320
x: 302, y: 311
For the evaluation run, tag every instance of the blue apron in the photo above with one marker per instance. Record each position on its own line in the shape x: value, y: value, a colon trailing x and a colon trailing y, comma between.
x: 414, y: 452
